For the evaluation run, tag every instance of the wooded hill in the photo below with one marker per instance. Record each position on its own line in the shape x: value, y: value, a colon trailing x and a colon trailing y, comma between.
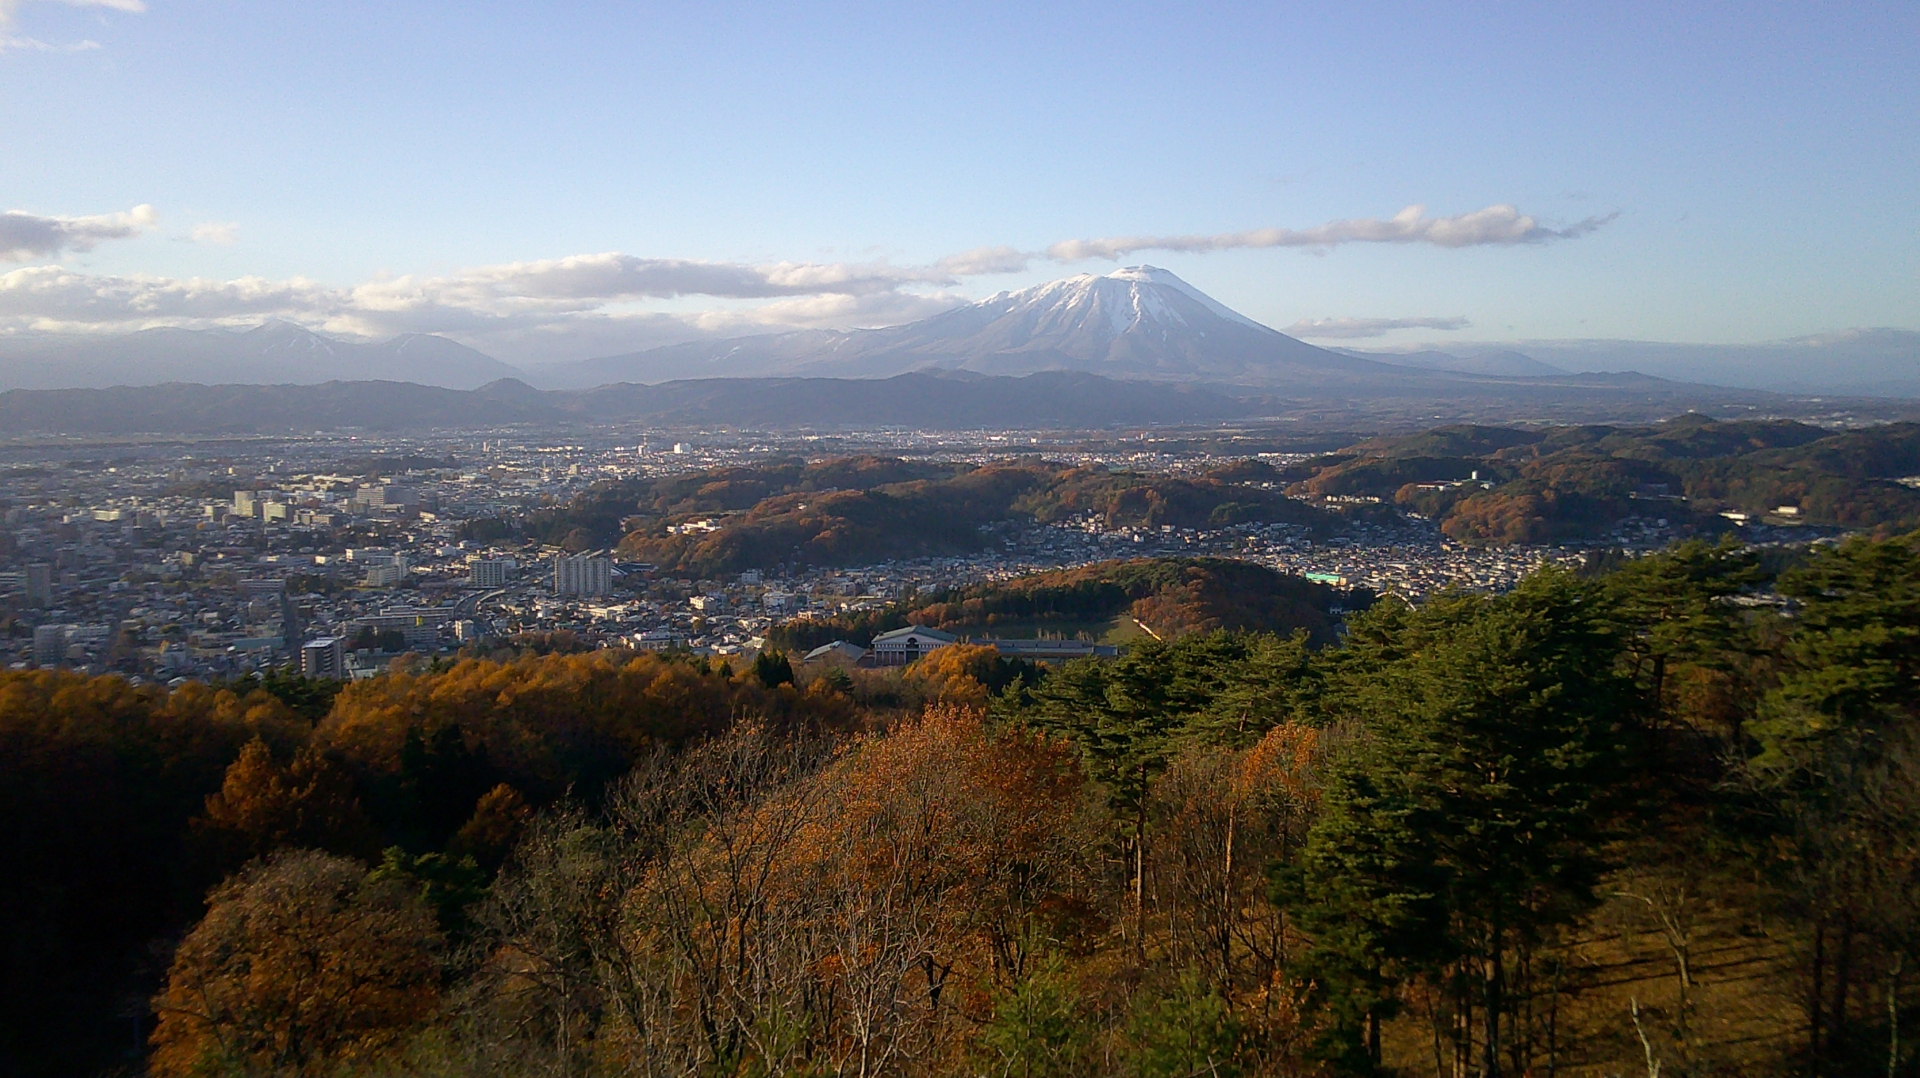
x: 863, y: 510
x: 1577, y: 482
x: 1169, y: 597
x: 1636, y: 822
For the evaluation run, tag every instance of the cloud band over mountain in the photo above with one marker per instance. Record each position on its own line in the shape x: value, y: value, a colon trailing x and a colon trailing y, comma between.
x: 1495, y: 226
x: 535, y: 305
x: 1356, y: 328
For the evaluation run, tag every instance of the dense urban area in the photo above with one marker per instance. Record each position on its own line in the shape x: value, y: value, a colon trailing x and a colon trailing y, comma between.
x: 216, y: 559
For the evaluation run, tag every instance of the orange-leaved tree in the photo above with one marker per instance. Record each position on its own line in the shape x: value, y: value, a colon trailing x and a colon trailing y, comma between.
x: 302, y: 963
x: 264, y: 806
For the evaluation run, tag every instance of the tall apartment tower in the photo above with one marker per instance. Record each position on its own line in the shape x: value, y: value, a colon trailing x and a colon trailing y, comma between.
x: 49, y: 645
x: 582, y: 574
x: 491, y: 572
x: 325, y: 657
x: 39, y: 580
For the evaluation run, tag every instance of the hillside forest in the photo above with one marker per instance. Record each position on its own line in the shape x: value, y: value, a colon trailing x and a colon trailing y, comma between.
x: 1498, y: 485
x: 1156, y: 598
x: 1481, y: 485
x: 862, y: 510
x: 1653, y: 819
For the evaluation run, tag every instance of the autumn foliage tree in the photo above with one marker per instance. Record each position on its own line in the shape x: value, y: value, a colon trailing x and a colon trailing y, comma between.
x: 263, y: 806
x: 756, y: 904
x: 301, y: 963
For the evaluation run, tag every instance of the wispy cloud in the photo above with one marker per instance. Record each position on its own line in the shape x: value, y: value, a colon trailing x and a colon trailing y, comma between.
x: 1354, y: 328
x: 11, y: 8
x: 982, y: 261
x: 34, y: 44
x: 1497, y: 226
x: 215, y: 233
x: 26, y: 235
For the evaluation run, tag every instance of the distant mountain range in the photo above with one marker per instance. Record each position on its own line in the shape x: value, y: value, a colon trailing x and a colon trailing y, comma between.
x: 1855, y: 362
x: 912, y: 400
x: 924, y: 400
x: 277, y: 353
x: 1499, y: 364
x: 1136, y: 324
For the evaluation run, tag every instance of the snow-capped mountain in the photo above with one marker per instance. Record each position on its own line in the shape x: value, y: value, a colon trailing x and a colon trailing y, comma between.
x: 277, y: 353
x: 1138, y: 322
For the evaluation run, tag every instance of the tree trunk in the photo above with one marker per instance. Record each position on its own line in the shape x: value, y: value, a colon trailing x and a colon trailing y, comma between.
x: 1553, y: 1018
x: 1490, y: 1053
x: 1433, y: 1026
x: 1462, y: 1027
x: 1227, y: 906
x: 1520, y: 1027
x: 1140, y: 874
x: 1893, y: 1014
x: 1842, y: 988
x: 1816, y: 1000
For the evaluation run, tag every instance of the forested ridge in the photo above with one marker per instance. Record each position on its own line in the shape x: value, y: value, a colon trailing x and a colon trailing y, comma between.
x: 1483, y: 485
x: 1167, y: 597
x: 1536, y: 485
x: 861, y: 510
x: 1658, y: 819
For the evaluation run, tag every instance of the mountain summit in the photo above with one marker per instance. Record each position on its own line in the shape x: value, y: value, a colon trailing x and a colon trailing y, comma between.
x: 1138, y: 322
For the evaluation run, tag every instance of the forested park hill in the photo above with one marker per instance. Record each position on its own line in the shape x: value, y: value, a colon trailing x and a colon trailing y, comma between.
x: 1651, y: 817
x: 1482, y: 486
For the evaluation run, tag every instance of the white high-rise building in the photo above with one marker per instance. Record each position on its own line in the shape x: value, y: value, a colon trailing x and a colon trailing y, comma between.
x: 491, y: 572
x: 582, y: 574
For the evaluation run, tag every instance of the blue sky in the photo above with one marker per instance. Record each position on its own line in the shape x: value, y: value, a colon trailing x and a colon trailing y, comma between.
x: 1721, y: 173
